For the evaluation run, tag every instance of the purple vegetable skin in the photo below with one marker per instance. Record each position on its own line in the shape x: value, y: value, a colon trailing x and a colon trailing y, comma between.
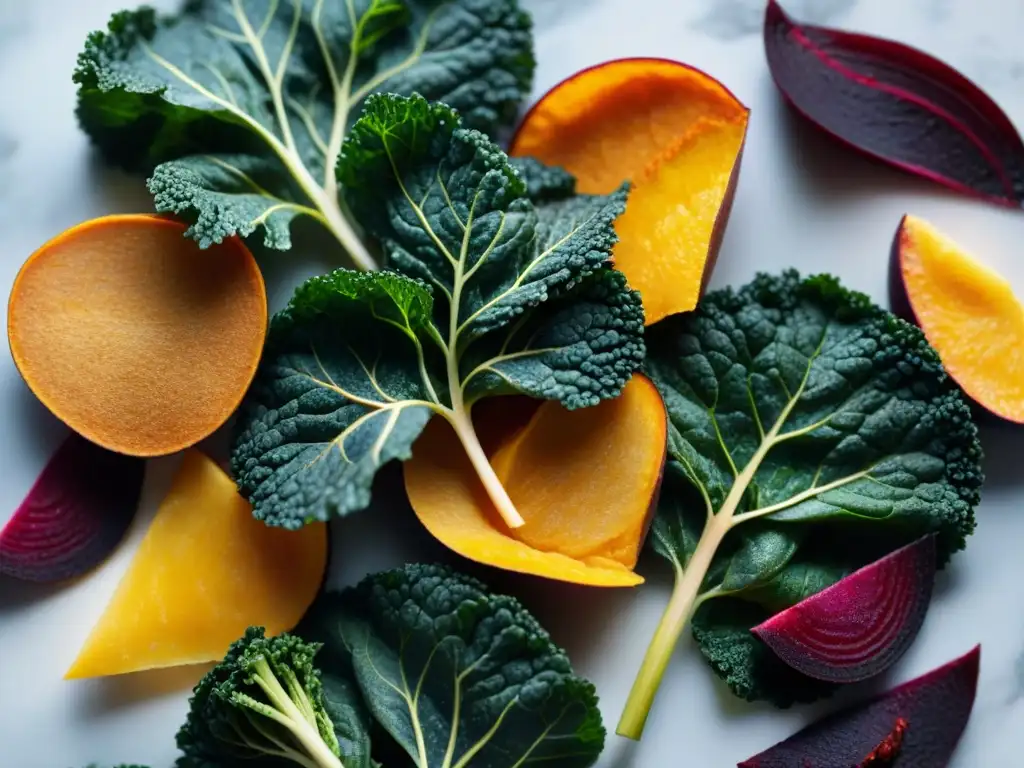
x: 862, y: 624
x: 922, y: 719
x: 76, y: 513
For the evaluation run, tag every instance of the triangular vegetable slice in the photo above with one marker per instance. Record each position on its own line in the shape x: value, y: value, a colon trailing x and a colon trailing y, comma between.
x: 915, y: 725
x: 967, y: 311
x: 205, y: 571
x: 677, y: 134
x: 585, y: 482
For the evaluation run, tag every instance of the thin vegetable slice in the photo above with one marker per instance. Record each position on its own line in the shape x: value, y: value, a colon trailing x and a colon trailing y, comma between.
x: 967, y: 311
x: 584, y: 481
x: 133, y: 336
x: 677, y: 135
x: 916, y: 725
x: 75, y: 514
x: 204, y: 572
x: 861, y: 625
x: 897, y: 104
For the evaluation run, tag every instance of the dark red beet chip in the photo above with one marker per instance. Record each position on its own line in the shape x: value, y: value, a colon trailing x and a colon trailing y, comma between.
x: 862, y: 624
x: 886, y: 752
x: 916, y: 725
x: 897, y: 104
x: 75, y: 514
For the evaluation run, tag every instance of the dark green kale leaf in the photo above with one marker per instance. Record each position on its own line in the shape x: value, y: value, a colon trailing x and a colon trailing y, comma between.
x: 240, y: 107
x: 811, y: 432
x: 265, y: 705
x: 459, y: 677
x: 496, y: 295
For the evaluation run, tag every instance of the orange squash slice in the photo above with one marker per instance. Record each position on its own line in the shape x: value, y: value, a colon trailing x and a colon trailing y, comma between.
x: 673, y: 131
x: 585, y: 481
x: 135, y: 337
x: 967, y: 311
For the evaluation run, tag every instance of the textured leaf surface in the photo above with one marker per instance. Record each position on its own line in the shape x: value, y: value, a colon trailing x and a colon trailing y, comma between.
x: 345, y: 708
x: 451, y: 210
x: 280, y: 82
x: 497, y: 296
x: 859, y: 440
x: 459, y: 676
x: 229, y: 195
x: 229, y: 718
x: 337, y: 395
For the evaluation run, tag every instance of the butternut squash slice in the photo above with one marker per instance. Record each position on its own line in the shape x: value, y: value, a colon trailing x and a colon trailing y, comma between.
x: 135, y: 337
x: 585, y: 481
x: 206, y: 570
x: 967, y: 311
x: 673, y: 131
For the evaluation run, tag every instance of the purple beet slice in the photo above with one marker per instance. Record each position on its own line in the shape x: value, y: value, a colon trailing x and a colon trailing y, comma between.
x: 74, y: 515
x: 916, y: 725
x: 862, y: 624
x: 897, y: 104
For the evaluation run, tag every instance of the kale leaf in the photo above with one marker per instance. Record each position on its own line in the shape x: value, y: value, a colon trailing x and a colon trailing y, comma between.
x: 264, y: 704
x: 240, y: 107
x: 459, y: 677
x: 811, y: 432
x: 493, y: 294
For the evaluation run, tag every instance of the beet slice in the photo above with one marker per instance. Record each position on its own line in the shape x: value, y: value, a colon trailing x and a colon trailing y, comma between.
x: 74, y: 515
x: 862, y: 624
x: 897, y: 104
x: 916, y: 725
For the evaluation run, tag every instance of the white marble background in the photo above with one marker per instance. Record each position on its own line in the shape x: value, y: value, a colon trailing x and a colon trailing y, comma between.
x: 801, y: 202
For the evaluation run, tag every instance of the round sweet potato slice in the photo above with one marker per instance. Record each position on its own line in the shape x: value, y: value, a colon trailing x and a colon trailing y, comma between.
x: 135, y: 337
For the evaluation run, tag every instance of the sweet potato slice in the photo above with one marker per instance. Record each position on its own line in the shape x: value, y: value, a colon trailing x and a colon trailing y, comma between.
x: 206, y: 570
x: 677, y: 134
x: 967, y: 311
x: 133, y: 336
x: 585, y: 482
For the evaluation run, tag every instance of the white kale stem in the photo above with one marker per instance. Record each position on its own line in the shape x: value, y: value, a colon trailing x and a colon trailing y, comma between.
x: 463, y: 424
x: 293, y: 718
x: 460, y: 416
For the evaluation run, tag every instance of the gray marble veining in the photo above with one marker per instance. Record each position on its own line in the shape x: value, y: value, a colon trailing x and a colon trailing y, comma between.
x: 733, y: 19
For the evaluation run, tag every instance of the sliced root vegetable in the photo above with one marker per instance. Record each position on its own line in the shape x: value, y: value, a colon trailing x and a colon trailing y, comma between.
x: 135, y: 337
x: 896, y: 104
x: 678, y: 135
x: 967, y: 312
x: 75, y: 514
x: 862, y: 624
x: 205, y: 571
x: 916, y: 725
x: 585, y: 481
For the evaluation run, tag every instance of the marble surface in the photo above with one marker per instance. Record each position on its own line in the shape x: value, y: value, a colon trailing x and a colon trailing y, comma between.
x: 801, y: 202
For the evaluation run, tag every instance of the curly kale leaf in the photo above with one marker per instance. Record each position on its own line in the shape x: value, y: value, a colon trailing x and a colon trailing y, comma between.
x: 811, y: 432
x: 498, y: 295
x: 240, y: 107
x: 458, y: 676
x: 262, y: 704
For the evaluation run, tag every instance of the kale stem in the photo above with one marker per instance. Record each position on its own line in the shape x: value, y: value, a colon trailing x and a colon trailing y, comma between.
x: 686, y: 594
x: 677, y: 615
x: 463, y: 425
